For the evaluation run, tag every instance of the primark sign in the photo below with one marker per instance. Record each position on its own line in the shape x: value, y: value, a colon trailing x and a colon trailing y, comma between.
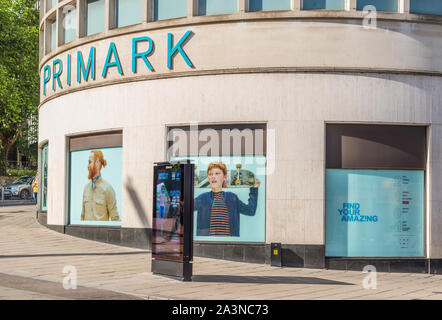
x: 86, y: 69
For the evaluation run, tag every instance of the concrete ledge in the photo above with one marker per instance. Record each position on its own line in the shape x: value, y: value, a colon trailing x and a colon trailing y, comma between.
x: 303, y: 256
x: 395, y: 265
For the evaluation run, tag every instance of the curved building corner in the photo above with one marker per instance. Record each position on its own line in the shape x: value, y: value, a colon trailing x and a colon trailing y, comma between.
x: 328, y: 122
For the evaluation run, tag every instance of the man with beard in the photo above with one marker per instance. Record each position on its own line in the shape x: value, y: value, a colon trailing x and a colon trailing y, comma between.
x: 99, y: 202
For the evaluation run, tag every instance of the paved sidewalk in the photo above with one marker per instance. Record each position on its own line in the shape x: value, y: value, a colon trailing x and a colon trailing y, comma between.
x: 32, y: 259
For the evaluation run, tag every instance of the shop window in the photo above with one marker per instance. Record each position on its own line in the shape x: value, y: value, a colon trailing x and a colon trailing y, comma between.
x: 129, y: 12
x: 230, y: 180
x: 375, y: 191
x: 44, y: 178
x: 426, y: 6
x: 209, y: 7
x: 70, y: 23
x: 94, y: 16
x: 263, y: 5
x: 95, y: 185
x: 323, y: 4
x: 169, y: 9
x: 380, y: 5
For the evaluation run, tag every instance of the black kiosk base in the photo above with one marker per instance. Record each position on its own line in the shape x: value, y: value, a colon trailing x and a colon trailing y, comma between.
x: 174, y: 269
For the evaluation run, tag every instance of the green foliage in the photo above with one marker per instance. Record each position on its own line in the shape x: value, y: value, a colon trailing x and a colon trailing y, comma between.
x: 20, y: 172
x: 19, y: 78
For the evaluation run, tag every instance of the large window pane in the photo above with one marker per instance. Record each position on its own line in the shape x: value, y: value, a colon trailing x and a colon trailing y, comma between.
x: 95, y: 185
x: 426, y: 6
x: 129, y: 12
x: 207, y: 7
x: 260, y: 5
x: 375, y: 190
x: 374, y: 213
x: 168, y: 9
x: 53, y: 35
x: 44, y: 178
x: 323, y: 4
x: 381, y: 5
x: 95, y: 16
x: 229, y: 170
x: 70, y: 23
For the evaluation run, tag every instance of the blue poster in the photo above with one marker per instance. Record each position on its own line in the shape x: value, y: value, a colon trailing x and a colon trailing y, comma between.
x: 229, y: 198
x: 374, y: 213
x: 95, y: 187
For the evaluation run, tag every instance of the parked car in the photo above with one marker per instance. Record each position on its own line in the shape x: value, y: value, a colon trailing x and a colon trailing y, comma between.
x: 20, y: 188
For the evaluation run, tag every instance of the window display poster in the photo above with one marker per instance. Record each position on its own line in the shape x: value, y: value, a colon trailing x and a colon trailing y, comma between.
x: 229, y: 198
x: 95, y: 187
x: 374, y: 213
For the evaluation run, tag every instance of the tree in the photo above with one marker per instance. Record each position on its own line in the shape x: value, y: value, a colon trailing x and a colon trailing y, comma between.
x: 19, y: 77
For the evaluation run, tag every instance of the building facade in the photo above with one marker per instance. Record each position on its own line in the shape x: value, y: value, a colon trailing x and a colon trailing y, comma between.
x: 327, y: 115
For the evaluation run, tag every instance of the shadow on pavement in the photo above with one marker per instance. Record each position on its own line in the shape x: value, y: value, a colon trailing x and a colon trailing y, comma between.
x: 266, y: 280
x: 72, y: 254
x: 11, y: 212
x: 56, y: 289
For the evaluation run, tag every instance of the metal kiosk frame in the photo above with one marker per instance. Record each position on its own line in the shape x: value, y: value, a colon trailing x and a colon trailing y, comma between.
x: 177, y: 265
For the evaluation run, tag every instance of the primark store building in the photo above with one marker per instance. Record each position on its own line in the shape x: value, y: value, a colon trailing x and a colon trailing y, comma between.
x: 313, y: 124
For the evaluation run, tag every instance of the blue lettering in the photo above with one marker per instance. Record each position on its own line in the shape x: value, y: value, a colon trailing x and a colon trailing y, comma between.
x: 46, y: 78
x: 90, y: 65
x: 171, y: 51
x: 142, y: 55
x: 69, y: 71
x: 116, y: 63
x: 56, y: 74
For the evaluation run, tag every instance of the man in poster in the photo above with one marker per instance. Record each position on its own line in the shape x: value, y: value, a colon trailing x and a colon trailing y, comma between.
x: 219, y: 211
x: 99, y: 203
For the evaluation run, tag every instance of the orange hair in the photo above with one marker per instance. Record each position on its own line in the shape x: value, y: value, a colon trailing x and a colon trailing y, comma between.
x: 218, y: 165
x: 98, y: 155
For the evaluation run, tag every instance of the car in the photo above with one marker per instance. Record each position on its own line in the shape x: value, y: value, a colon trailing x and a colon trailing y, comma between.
x: 19, y: 188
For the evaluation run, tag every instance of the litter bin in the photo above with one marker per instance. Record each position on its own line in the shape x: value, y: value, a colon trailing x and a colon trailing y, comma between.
x: 275, y: 255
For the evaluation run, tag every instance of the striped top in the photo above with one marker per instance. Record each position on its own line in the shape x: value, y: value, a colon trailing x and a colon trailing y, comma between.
x: 219, y: 217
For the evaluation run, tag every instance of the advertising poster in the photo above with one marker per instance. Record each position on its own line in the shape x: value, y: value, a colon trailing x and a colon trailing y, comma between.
x: 167, y: 225
x: 95, y: 187
x: 229, y: 203
x: 374, y: 213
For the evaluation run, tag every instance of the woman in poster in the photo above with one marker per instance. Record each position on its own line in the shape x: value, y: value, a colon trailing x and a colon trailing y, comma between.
x: 218, y: 212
